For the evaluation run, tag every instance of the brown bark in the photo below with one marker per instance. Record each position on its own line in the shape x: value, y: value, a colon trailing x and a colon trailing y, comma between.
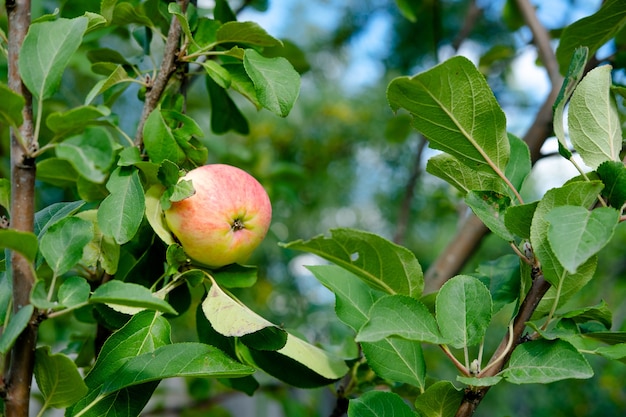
x: 21, y: 361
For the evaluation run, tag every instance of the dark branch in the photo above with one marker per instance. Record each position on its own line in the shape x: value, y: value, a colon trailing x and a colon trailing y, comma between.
x: 168, y: 68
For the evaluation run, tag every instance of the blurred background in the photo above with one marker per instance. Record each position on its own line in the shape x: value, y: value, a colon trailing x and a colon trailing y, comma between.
x: 343, y: 159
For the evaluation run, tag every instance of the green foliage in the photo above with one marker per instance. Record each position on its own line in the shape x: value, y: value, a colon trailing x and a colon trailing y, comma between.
x: 104, y: 259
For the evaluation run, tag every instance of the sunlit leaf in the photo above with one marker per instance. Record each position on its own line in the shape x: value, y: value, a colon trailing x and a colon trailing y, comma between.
x: 593, y: 120
x: 276, y: 82
x: 463, y: 117
x: 231, y: 318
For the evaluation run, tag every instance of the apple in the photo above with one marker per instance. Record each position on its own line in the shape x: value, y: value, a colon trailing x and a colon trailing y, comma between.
x: 225, y: 219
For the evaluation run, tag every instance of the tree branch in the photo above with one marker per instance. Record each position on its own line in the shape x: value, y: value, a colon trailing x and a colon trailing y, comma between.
x: 472, y: 15
x: 168, y: 68
x: 21, y: 362
x: 541, y: 41
x: 409, y: 192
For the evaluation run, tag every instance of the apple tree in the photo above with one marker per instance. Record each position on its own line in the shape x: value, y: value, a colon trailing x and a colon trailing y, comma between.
x: 99, y: 256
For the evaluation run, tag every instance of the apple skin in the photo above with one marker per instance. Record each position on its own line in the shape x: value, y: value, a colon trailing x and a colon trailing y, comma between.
x: 226, y: 218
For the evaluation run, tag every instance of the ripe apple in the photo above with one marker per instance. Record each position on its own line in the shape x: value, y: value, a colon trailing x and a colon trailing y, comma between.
x: 226, y: 218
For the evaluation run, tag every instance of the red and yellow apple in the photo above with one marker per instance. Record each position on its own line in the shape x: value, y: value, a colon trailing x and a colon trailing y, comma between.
x: 225, y: 219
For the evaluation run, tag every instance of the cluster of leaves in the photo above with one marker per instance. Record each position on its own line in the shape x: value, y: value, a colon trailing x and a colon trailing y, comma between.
x: 378, y: 285
x: 108, y: 258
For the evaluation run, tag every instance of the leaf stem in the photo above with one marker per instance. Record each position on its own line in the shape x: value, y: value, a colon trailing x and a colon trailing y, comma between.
x: 464, y: 370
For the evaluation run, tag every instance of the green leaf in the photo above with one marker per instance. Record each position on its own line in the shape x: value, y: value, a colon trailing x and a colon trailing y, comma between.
x: 353, y: 297
x: 159, y: 140
x: 409, y: 9
x: 397, y: 360
x: 572, y: 78
x: 231, y: 318
x: 462, y: 177
x: 502, y: 277
x: 380, y: 263
x: 53, y: 213
x: 276, y: 82
x: 218, y: 73
x: 246, y: 33
x: 518, y: 219
x: 576, y: 234
x: 58, y: 172
x: 11, y: 107
x: 464, y: 310
x: 236, y: 276
x: 63, y: 244
x: 463, y: 117
x: 90, y: 153
x: 613, y: 175
x: 46, y: 51
x: 592, y: 31
x: 300, y: 364
x: 22, y: 242
x: 593, y: 120
x: 5, y: 193
x: 490, y: 207
x: 102, y: 252
x: 118, y: 293
x: 14, y: 328
x: 145, y: 332
x: 225, y: 115
x: 73, y: 292
x: 154, y: 214
x: 599, y: 312
x: 543, y: 361
x: 241, y: 82
x: 177, y: 360
x: 58, y: 379
x: 76, y: 119
x: 121, y: 213
x: 399, y: 315
x: 441, y: 399
x: 379, y: 404
x: 519, y: 165
x: 576, y: 194
x: 117, y: 76
x: 479, y: 382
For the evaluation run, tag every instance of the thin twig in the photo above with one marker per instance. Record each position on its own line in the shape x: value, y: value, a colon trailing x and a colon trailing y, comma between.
x: 409, y: 192
x: 168, y: 68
